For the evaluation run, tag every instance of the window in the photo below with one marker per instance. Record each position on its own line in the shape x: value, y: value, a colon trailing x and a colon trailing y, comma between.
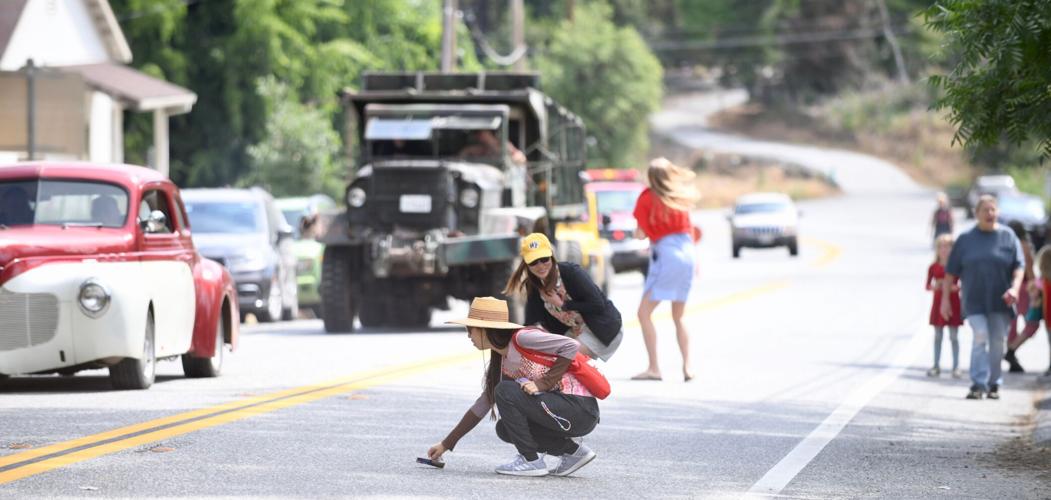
x: 156, y: 200
x: 217, y: 217
x: 59, y: 202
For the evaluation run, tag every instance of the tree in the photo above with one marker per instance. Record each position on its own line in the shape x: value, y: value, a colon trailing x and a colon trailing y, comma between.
x: 300, y: 153
x: 998, y: 88
x: 609, y: 77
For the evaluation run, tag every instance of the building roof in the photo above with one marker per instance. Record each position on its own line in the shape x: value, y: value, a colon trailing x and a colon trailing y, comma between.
x: 10, y: 13
x: 139, y: 90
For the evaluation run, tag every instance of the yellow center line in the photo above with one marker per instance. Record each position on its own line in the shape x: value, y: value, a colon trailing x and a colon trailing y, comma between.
x: 31, y: 462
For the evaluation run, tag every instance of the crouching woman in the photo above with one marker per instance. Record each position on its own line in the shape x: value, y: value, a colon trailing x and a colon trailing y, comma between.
x: 540, y: 407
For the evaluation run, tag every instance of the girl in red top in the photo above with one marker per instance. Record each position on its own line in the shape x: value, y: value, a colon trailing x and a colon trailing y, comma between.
x: 662, y: 212
x: 935, y: 275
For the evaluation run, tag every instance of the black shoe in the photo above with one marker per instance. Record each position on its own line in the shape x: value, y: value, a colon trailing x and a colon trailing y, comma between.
x: 1015, y: 367
x: 975, y: 392
x: 994, y: 392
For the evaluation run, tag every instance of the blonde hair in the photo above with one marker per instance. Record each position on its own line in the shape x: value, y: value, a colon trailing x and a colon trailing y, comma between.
x: 1043, y: 262
x: 943, y: 199
x: 672, y: 184
x: 944, y: 239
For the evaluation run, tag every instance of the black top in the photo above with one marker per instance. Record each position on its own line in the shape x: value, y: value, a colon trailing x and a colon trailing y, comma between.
x: 600, y: 315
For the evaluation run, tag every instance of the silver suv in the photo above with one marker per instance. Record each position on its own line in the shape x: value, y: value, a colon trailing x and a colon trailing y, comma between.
x: 764, y: 220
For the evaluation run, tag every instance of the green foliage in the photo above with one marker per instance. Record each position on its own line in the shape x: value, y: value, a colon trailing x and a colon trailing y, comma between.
x: 998, y: 89
x: 301, y: 151
x: 609, y: 77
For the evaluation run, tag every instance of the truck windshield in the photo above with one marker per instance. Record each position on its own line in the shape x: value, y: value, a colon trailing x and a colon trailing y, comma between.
x: 60, y: 202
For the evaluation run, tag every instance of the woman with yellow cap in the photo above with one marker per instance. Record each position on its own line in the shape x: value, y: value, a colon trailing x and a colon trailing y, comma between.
x: 541, y: 406
x: 562, y: 298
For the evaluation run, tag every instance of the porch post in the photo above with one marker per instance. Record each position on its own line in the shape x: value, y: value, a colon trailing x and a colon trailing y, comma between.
x: 160, y: 141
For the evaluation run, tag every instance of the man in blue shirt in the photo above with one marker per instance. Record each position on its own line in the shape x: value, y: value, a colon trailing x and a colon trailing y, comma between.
x: 988, y: 260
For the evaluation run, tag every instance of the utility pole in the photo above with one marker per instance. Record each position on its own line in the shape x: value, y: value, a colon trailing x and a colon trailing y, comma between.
x: 518, y: 33
x: 31, y: 110
x: 449, y: 36
x: 888, y: 33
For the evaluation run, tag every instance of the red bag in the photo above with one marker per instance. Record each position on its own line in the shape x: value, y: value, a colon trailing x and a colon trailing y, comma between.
x: 587, y: 375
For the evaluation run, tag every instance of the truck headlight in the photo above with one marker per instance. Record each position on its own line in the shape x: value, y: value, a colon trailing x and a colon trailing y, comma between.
x: 469, y: 197
x: 356, y: 197
x: 93, y: 298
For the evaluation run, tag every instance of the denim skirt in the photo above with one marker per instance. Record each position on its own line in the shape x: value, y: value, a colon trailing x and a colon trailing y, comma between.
x: 671, y: 268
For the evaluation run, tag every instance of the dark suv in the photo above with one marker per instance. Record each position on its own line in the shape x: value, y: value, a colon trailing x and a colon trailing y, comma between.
x: 244, y: 230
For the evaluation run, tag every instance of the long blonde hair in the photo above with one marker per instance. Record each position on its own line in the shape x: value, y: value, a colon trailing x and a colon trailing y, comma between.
x: 672, y: 184
x: 522, y: 281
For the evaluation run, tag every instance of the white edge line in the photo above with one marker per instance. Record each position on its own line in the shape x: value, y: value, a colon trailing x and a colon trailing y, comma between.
x: 776, y: 479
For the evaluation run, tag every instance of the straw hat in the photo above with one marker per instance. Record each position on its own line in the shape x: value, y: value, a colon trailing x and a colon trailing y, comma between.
x: 535, y: 246
x: 486, y: 312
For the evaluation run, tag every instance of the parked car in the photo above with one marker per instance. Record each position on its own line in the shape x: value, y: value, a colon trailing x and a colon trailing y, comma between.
x: 764, y: 220
x: 615, y: 192
x: 302, y: 214
x: 244, y: 230
x: 995, y: 185
x: 98, y: 270
x: 1027, y: 209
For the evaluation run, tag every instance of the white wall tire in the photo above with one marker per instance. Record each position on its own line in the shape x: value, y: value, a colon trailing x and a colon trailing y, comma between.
x: 137, y: 373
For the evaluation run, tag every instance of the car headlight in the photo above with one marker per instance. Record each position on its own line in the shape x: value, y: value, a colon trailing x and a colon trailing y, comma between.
x: 356, y: 197
x: 93, y: 298
x: 469, y: 197
x: 250, y: 261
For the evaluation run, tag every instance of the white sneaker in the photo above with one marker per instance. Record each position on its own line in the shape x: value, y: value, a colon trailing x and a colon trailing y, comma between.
x: 957, y: 373
x: 572, y: 462
x: 934, y: 372
x: 522, y: 467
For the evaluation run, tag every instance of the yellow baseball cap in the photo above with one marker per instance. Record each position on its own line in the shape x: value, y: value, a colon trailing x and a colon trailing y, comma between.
x: 535, y: 246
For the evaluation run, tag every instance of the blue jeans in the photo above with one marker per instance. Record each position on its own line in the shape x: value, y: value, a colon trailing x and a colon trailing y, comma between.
x: 987, y: 349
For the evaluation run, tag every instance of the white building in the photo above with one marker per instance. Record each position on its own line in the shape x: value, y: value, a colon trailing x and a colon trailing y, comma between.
x: 81, y: 84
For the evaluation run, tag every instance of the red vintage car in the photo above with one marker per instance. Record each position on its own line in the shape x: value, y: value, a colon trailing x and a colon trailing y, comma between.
x: 97, y: 269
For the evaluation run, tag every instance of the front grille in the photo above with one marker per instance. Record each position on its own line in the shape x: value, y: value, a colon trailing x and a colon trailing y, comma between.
x: 766, y: 230
x: 389, y: 184
x: 27, y: 319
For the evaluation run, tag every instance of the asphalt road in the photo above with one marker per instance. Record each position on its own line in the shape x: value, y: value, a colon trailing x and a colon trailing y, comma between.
x: 810, y: 384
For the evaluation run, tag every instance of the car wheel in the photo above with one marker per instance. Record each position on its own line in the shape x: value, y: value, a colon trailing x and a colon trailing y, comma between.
x: 195, y: 367
x: 338, y: 306
x: 793, y: 248
x: 736, y: 251
x: 274, y: 307
x: 137, y: 373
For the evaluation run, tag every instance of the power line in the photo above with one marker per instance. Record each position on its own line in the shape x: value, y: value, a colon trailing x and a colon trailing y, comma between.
x: 780, y: 39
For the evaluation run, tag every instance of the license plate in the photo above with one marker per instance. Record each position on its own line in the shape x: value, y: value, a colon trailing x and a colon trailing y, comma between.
x: 415, y: 203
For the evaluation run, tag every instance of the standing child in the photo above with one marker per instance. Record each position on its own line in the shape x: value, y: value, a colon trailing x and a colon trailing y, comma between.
x: 1038, y: 303
x: 935, y: 275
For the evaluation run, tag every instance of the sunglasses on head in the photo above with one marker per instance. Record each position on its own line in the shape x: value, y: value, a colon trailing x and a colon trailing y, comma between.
x: 541, y: 260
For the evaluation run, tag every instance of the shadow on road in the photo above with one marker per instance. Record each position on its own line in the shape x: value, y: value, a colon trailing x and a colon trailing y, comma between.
x: 44, y: 384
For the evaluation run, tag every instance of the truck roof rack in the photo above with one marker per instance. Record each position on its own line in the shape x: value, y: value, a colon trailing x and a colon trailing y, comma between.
x: 430, y: 81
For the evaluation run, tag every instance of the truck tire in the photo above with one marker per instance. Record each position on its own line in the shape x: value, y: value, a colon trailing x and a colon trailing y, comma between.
x: 373, y: 312
x: 338, y: 304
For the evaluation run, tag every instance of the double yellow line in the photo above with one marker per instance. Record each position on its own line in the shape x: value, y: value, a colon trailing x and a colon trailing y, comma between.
x: 31, y: 462
x: 35, y: 461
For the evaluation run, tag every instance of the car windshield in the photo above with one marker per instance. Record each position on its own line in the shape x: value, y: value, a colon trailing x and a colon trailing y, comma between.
x: 616, y: 201
x: 61, y: 202
x: 770, y: 207
x: 212, y: 217
x: 1018, y: 207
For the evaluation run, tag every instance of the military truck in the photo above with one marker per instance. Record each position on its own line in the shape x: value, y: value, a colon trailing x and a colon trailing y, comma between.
x: 450, y: 171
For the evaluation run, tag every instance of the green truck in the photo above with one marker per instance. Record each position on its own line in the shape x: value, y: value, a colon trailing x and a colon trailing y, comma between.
x: 449, y: 171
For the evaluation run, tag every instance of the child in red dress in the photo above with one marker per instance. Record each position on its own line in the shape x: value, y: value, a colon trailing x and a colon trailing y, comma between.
x: 935, y: 275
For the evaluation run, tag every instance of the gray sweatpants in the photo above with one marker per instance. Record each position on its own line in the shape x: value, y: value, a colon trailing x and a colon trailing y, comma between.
x: 543, y: 423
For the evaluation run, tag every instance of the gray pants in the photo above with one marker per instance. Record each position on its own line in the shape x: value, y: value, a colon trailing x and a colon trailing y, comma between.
x: 543, y: 423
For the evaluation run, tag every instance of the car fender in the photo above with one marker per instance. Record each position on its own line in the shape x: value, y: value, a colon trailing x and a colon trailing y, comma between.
x: 215, y: 287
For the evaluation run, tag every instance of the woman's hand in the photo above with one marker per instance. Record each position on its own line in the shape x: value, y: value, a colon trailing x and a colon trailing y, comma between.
x: 552, y: 298
x: 529, y: 387
x: 436, y: 451
x: 1011, y: 296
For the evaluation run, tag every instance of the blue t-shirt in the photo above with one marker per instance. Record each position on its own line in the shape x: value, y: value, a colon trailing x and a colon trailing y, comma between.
x: 985, y: 262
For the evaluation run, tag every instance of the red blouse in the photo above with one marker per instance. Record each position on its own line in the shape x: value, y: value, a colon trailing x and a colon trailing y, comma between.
x: 657, y: 220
